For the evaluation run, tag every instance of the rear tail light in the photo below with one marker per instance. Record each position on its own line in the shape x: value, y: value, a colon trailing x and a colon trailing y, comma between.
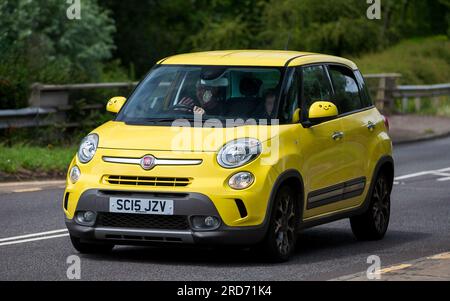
x: 386, y: 122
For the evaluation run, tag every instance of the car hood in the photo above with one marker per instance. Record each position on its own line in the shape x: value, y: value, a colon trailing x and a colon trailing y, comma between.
x: 118, y: 135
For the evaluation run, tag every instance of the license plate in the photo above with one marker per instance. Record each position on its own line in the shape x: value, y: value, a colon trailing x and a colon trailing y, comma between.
x: 141, y: 206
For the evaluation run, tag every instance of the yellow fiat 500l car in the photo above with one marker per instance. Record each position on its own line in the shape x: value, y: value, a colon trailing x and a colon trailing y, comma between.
x: 233, y: 147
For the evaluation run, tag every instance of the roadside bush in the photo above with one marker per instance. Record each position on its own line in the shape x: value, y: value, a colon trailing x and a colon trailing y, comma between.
x: 420, y: 61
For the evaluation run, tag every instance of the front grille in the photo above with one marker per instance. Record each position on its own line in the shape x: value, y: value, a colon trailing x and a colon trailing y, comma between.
x: 142, y: 221
x: 147, y: 181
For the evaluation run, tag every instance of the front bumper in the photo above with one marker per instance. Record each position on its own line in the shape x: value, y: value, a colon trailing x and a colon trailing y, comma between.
x: 185, y: 205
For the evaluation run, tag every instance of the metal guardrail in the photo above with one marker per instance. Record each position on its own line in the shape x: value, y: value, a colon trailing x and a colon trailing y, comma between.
x: 382, y: 87
x: 433, y: 92
x: 58, y: 95
x: 48, y: 103
x: 28, y: 117
x: 386, y: 91
x: 427, y: 90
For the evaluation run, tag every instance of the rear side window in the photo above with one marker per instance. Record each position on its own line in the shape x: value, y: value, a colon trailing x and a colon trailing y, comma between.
x: 316, y: 86
x: 346, y: 89
x: 268, y: 79
x: 365, y: 95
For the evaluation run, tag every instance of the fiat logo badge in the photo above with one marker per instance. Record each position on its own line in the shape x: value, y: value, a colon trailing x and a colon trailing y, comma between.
x: 148, y: 162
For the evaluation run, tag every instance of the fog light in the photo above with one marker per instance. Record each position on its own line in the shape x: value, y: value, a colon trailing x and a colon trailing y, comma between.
x: 89, y: 216
x: 75, y: 174
x: 86, y: 218
x: 241, y: 180
x: 211, y: 221
x: 205, y: 222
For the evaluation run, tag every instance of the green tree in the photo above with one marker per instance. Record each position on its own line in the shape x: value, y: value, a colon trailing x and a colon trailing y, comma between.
x: 148, y: 30
x: 228, y: 24
x: 332, y: 26
x: 341, y: 26
x: 39, y: 43
x: 446, y: 5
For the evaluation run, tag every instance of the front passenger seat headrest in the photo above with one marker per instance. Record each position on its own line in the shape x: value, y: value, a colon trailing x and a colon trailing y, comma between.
x: 250, y: 86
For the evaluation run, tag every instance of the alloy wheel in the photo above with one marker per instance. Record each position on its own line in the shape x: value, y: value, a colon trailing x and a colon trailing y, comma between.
x: 381, y: 205
x: 285, y: 224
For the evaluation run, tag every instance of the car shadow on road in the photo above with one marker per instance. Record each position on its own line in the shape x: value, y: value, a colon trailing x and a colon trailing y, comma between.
x: 314, y: 245
x: 326, y: 243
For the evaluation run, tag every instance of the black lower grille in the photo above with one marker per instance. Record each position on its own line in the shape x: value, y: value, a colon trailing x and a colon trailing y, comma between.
x: 141, y: 221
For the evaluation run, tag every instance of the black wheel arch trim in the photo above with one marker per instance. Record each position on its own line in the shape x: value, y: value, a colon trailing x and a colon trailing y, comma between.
x: 385, y: 160
x: 282, y: 179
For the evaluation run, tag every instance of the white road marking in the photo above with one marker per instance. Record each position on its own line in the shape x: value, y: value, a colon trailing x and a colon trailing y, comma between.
x: 441, y: 174
x: 27, y: 190
x: 32, y: 239
x: 443, y: 179
x: 34, y: 183
x: 32, y: 235
x: 413, y: 175
x: 423, y: 173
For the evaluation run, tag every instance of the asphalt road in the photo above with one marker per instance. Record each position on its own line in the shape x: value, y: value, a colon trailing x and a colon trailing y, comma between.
x: 420, y: 226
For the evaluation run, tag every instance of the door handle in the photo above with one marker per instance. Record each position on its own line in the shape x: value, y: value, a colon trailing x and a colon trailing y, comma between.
x: 337, y: 135
x: 371, y: 126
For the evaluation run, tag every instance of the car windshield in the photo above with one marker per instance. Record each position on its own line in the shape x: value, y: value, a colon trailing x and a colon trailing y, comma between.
x: 169, y: 93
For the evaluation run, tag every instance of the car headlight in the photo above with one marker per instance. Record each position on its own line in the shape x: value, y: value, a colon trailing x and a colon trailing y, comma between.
x: 88, y: 147
x: 239, y: 152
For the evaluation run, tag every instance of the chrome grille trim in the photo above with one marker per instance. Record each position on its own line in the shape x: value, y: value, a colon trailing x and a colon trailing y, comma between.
x: 137, y: 161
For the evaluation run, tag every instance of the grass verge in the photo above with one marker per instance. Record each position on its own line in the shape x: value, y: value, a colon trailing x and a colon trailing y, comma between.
x: 23, y: 161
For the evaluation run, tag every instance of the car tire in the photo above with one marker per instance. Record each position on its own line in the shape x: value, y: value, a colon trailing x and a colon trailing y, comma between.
x: 373, y: 224
x: 280, y: 240
x: 90, y: 248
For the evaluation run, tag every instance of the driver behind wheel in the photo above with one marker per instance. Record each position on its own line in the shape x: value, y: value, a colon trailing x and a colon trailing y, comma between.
x: 208, y: 101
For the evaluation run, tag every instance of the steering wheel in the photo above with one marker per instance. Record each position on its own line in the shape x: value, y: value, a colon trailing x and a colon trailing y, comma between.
x: 183, y: 107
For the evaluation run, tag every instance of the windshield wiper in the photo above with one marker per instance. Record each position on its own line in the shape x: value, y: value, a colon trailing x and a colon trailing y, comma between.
x: 169, y: 119
x: 190, y: 119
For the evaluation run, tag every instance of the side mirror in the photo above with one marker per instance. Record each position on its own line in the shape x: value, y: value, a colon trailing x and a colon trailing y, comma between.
x: 322, y: 111
x: 115, y: 104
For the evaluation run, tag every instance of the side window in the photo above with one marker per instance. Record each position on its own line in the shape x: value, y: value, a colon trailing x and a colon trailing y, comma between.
x: 291, y: 100
x: 365, y: 95
x: 346, y: 89
x: 316, y: 87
